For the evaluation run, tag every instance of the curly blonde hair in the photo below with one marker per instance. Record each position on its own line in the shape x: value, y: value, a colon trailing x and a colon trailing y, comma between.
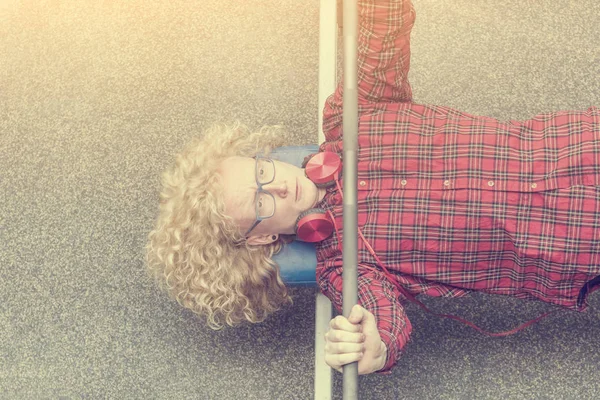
x: 195, y: 251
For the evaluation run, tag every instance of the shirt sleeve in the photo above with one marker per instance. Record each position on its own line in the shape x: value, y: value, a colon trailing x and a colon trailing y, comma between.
x: 380, y: 297
x: 383, y: 58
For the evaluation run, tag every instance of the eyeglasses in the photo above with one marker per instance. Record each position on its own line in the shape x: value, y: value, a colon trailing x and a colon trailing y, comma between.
x: 264, y: 201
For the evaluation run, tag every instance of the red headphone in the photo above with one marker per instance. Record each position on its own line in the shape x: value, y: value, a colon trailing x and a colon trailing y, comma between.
x: 323, y: 169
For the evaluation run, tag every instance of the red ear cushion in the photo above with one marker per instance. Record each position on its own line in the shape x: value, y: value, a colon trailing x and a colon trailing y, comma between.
x: 306, y: 159
x: 313, y: 226
x: 323, y: 168
x: 325, y: 185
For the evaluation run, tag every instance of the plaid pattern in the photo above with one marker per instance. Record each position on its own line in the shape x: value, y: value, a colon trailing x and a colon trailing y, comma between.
x: 453, y: 202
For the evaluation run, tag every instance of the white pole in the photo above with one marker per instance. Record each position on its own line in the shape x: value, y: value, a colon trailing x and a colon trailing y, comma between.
x: 327, y: 84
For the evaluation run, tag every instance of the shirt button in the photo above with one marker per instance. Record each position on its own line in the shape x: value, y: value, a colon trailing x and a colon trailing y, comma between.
x: 490, y: 183
x: 533, y: 185
x: 403, y: 182
x: 362, y: 183
x: 446, y: 183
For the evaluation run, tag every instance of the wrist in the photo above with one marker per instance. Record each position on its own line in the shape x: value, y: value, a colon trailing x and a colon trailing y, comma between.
x: 383, y: 356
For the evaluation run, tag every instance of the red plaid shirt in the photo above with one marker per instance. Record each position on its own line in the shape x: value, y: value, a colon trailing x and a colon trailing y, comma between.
x: 452, y: 202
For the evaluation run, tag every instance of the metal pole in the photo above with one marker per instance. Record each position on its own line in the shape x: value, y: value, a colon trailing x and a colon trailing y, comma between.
x: 350, y: 171
x: 327, y: 83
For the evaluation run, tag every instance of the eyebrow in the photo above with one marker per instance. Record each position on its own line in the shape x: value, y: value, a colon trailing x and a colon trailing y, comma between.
x: 248, y: 203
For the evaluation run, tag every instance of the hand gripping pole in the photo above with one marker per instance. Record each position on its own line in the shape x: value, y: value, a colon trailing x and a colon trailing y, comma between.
x: 350, y: 210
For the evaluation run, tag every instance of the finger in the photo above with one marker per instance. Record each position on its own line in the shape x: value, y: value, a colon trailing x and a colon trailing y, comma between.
x: 337, y: 361
x: 341, y: 323
x: 344, y: 347
x: 335, y: 335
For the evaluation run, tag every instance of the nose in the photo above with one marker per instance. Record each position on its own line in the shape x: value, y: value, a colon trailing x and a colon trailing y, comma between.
x: 277, y: 188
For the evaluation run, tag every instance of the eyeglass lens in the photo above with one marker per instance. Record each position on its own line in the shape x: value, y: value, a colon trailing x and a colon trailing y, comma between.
x: 265, y: 173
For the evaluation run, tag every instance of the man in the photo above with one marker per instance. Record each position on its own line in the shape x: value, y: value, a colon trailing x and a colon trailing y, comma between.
x: 448, y: 203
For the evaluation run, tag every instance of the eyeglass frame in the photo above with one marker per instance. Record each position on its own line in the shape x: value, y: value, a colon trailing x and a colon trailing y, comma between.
x: 261, y: 190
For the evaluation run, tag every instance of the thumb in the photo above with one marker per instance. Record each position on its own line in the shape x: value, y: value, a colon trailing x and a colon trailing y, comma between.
x: 356, y: 314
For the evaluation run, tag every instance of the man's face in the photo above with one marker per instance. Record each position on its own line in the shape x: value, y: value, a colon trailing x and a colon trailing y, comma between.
x: 292, y: 190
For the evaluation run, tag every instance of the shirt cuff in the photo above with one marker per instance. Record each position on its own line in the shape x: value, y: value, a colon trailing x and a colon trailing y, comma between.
x: 393, y: 353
